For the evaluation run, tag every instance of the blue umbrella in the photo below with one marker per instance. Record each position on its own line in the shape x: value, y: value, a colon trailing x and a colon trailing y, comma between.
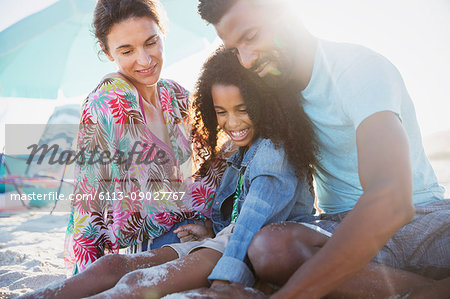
x: 50, y: 50
x: 54, y: 48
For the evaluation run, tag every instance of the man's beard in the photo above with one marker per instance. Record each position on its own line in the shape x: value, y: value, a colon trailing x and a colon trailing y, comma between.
x: 282, y: 64
x: 280, y: 76
x: 275, y: 81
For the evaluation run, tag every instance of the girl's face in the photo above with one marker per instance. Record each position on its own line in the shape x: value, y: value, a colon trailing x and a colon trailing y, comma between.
x: 136, y: 46
x: 232, y: 114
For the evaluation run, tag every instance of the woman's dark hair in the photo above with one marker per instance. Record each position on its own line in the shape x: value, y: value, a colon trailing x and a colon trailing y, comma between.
x: 276, y: 115
x: 110, y: 12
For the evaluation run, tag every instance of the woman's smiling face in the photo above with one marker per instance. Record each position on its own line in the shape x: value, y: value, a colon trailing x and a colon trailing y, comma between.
x: 231, y: 113
x: 136, y: 45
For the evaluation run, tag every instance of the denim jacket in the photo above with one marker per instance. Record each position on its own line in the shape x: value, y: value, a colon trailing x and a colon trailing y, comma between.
x: 270, y: 193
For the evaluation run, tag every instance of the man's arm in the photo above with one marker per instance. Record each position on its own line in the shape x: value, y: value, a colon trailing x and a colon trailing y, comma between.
x: 385, y: 206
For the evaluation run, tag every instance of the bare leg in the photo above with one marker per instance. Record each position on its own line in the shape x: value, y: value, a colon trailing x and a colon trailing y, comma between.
x: 104, y: 273
x: 278, y: 250
x: 189, y: 272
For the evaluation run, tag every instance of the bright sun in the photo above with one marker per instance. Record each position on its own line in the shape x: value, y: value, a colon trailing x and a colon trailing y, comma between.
x: 414, y: 35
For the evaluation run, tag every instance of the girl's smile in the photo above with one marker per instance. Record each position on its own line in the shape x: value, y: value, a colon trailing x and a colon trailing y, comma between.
x: 232, y: 115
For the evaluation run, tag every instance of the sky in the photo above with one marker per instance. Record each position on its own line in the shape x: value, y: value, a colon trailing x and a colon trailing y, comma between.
x: 413, y: 34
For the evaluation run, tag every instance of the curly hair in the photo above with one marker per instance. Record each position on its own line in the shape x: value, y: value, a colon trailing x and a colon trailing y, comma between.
x: 277, y: 116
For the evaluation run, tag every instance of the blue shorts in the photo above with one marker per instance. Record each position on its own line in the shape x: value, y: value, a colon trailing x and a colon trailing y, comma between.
x: 421, y: 246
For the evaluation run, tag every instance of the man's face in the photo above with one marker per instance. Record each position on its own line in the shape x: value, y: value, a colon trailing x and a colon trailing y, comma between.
x: 257, y: 36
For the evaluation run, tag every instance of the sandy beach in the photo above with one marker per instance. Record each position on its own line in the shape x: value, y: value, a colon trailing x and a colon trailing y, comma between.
x: 31, y: 241
x: 31, y: 251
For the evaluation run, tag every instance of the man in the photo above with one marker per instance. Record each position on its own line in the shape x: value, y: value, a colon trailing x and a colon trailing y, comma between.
x: 372, y: 168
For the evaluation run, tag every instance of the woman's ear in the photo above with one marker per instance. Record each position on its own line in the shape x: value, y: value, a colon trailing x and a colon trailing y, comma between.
x: 106, y: 52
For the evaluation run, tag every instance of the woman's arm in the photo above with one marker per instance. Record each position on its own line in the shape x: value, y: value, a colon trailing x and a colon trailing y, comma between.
x: 88, y: 233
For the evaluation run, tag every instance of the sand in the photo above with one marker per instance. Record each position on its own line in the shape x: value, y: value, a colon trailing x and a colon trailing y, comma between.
x: 31, y: 251
x: 31, y: 242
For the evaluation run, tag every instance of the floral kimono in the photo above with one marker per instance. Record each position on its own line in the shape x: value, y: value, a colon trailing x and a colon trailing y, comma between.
x: 131, y: 186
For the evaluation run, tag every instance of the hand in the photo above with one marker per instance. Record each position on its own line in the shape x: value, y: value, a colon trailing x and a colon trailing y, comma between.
x: 195, y: 232
x: 225, y: 291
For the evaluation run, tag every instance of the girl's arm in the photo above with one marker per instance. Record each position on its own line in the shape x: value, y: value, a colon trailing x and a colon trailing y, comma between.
x: 270, y: 199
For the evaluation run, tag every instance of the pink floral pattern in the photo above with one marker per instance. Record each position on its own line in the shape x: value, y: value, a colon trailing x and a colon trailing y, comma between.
x: 121, y: 210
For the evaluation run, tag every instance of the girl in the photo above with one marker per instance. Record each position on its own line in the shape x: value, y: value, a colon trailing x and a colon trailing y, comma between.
x: 269, y: 179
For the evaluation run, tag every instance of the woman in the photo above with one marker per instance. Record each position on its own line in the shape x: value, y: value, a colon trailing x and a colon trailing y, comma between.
x: 265, y: 182
x: 133, y: 180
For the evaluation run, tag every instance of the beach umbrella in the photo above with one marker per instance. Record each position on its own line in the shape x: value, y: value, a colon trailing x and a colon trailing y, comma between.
x: 50, y: 50
x: 54, y: 50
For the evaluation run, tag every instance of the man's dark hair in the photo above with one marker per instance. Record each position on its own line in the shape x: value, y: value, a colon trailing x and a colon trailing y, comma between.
x: 213, y: 10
